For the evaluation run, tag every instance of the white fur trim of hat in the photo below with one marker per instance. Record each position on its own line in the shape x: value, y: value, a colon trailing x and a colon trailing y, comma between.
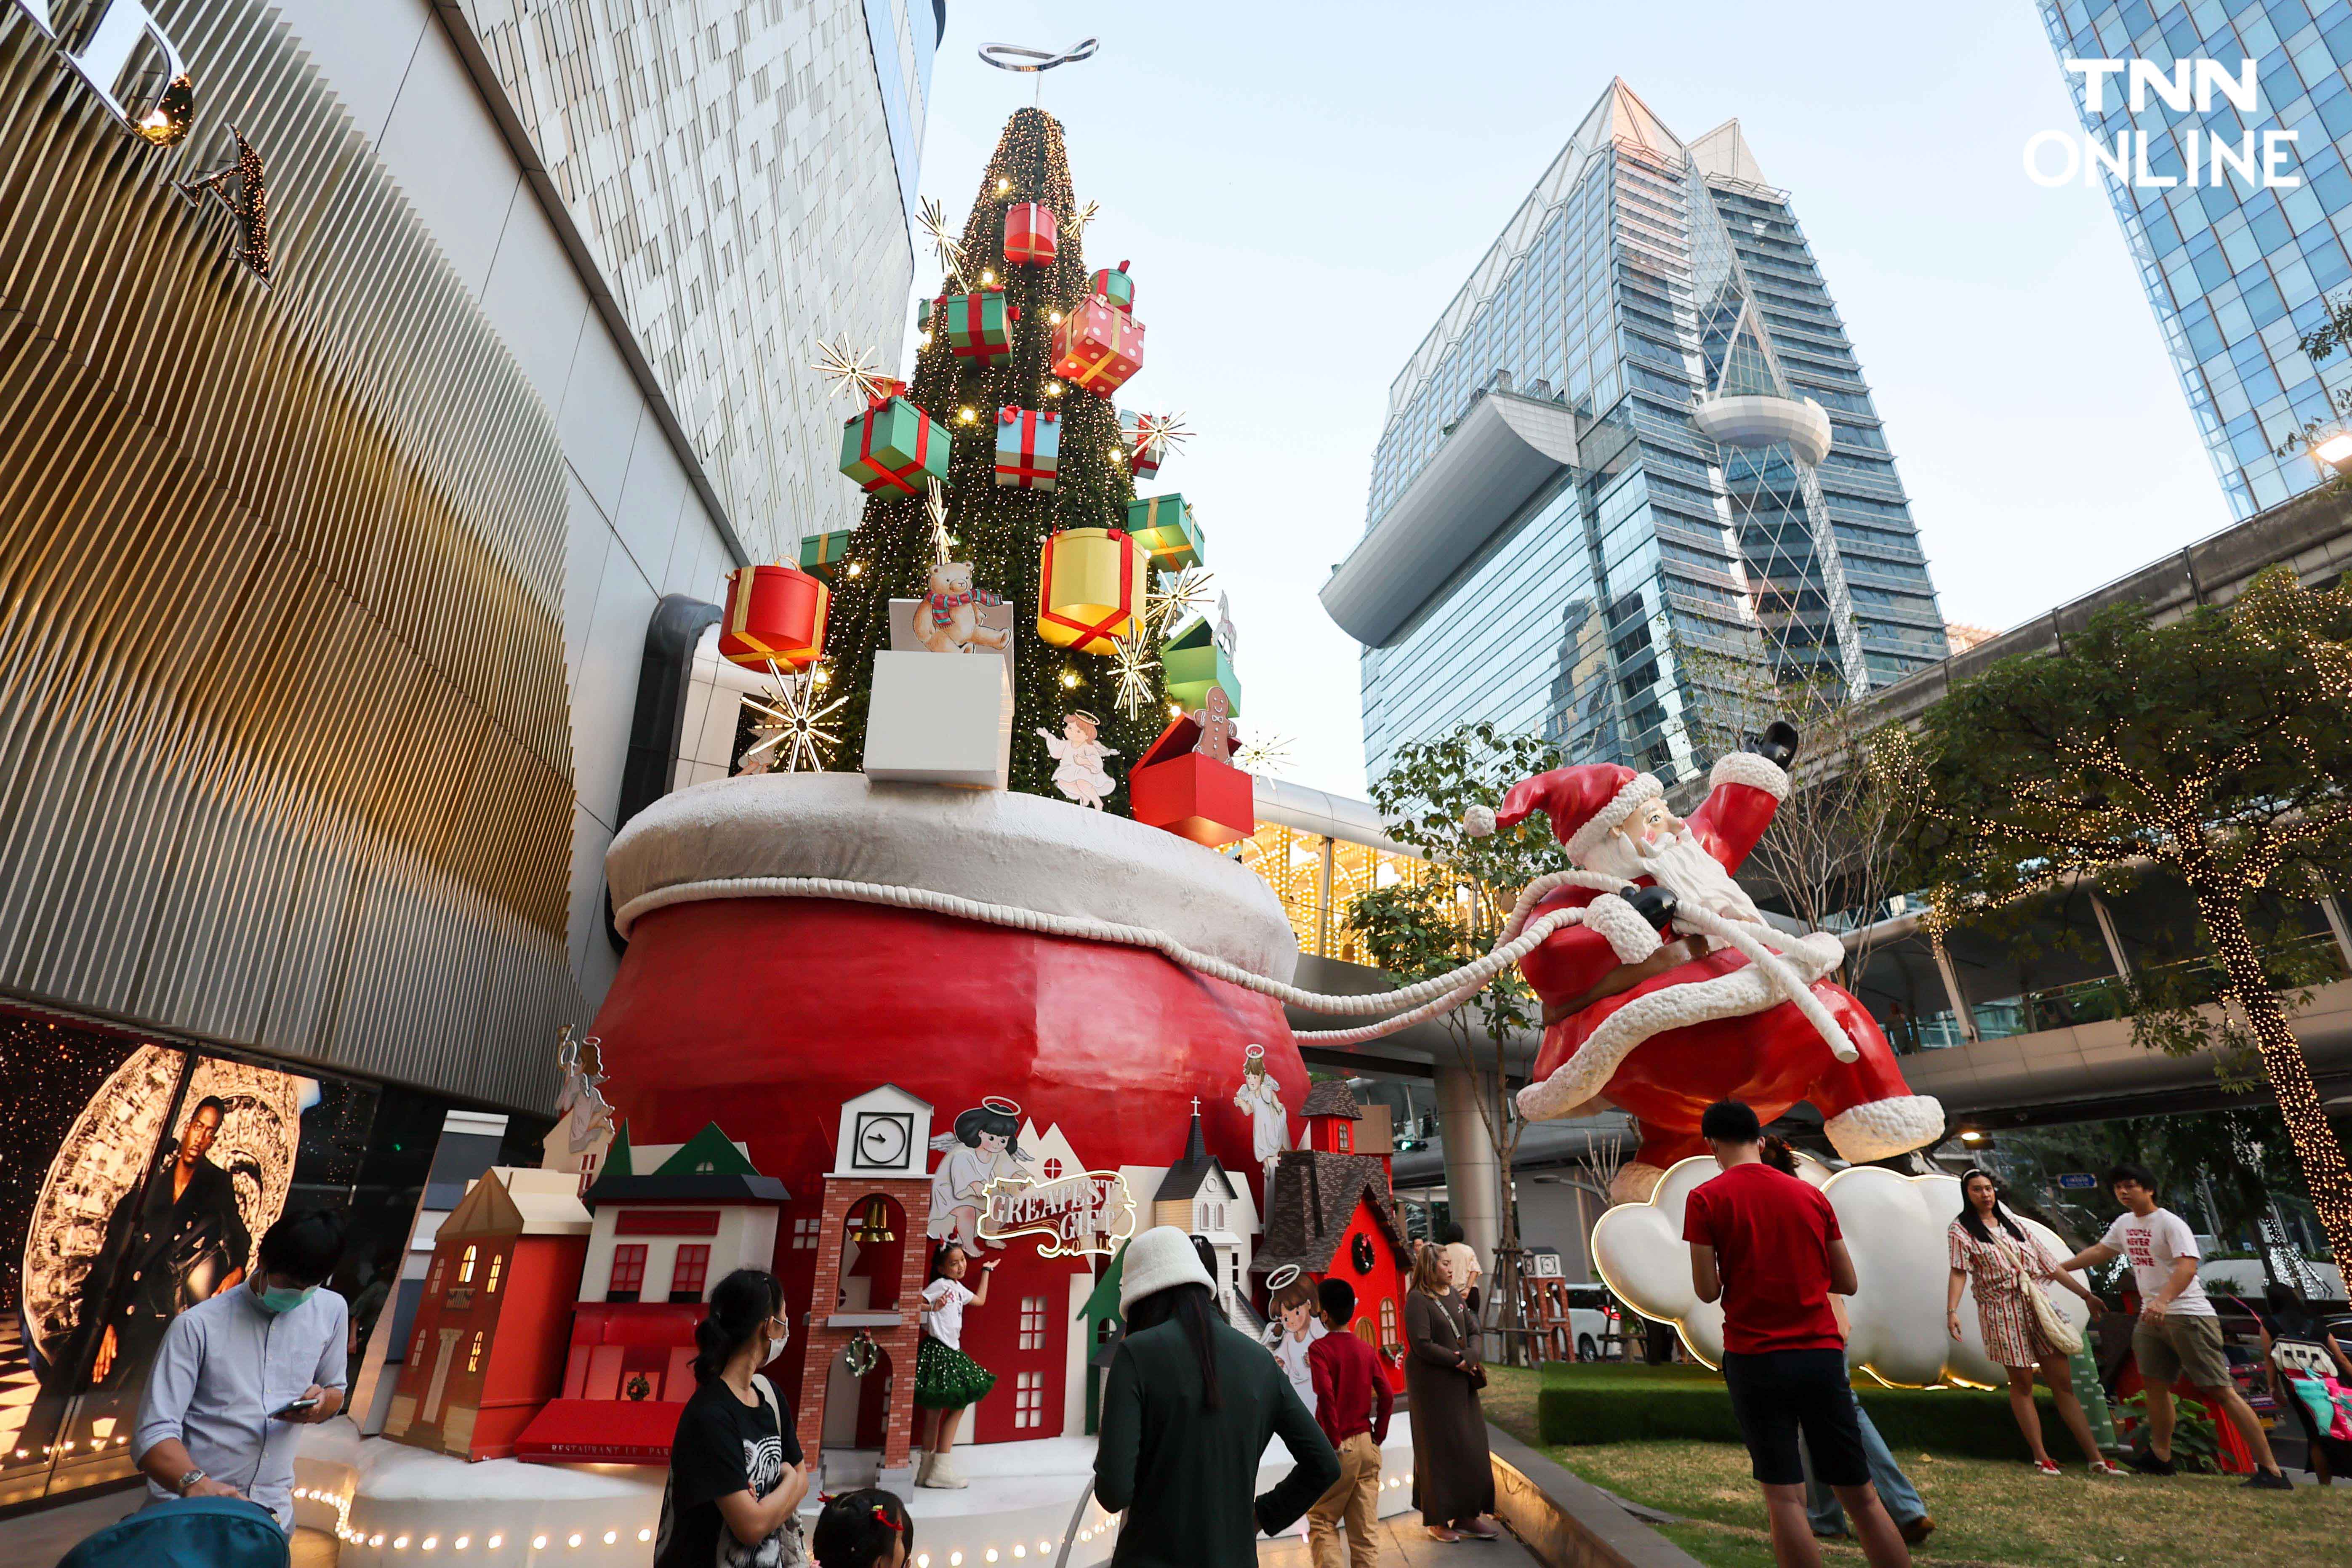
x: 1640, y: 787
x: 1478, y: 821
x: 1882, y: 1128
x: 1631, y: 937
x: 1160, y: 1257
x: 1750, y: 769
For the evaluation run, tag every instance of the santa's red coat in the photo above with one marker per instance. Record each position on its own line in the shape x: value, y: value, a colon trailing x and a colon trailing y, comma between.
x: 1770, y: 1059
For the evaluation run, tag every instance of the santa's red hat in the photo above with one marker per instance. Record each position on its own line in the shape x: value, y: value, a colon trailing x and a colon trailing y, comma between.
x: 1583, y: 802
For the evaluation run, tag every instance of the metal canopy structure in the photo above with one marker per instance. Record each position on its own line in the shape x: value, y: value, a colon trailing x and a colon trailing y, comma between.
x: 1507, y: 451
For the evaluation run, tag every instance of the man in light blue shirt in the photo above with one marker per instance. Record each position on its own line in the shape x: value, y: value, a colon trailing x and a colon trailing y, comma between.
x: 238, y: 1373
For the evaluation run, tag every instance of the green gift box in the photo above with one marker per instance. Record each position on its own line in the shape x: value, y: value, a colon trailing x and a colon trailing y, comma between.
x: 1164, y: 526
x: 979, y: 326
x: 821, y: 553
x: 893, y: 446
x: 1192, y: 660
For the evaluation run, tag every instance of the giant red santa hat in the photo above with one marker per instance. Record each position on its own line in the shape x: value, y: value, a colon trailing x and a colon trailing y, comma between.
x: 1583, y: 802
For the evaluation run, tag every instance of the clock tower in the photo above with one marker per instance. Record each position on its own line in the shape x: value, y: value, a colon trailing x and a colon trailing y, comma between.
x: 874, y: 1205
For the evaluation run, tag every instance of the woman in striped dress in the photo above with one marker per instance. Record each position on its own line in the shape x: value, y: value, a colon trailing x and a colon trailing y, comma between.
x: 1992, y: 1254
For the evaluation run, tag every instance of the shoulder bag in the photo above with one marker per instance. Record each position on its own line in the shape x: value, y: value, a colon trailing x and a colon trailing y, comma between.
x: 2055, y: 1326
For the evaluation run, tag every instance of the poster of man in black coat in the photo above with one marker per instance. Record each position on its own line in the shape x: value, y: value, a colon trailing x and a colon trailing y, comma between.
x: 171, y: 1242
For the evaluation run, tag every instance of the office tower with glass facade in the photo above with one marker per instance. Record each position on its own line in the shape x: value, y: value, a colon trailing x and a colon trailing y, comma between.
x: 2237, y: 274
x: 1635, y: 459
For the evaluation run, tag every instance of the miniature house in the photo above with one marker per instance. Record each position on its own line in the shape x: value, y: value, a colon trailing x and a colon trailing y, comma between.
x: 1199, y: 1198
x: 1331, y: 1212
x: 1337, y: 1124
x: 865, y: 1317
x: 658, y: 1243
x: 489, y: 1333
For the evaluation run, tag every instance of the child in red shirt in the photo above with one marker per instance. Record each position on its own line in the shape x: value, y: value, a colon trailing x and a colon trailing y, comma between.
x: 1351, y: 1404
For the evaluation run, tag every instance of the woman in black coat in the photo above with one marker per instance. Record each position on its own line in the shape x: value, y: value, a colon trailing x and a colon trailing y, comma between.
x: 1186, y: 1415
x: 1452, y: 1478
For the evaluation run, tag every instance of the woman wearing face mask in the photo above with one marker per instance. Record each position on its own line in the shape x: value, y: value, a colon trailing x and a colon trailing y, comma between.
x: 736, y: 1480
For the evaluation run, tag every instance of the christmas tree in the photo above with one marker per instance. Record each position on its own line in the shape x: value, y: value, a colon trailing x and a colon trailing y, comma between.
x: 1002, y: 530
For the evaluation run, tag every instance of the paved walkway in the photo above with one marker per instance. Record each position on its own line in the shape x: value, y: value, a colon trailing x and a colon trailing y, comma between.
x: 1403, y: 1545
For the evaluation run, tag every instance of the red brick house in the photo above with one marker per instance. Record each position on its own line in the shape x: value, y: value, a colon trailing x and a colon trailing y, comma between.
x: 491, y: 1330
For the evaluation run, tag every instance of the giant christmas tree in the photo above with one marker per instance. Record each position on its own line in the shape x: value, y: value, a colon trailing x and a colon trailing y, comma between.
x: 1002, y: 530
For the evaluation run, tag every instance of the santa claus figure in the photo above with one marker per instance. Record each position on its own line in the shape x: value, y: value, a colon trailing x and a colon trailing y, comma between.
x: 1661, y: 1019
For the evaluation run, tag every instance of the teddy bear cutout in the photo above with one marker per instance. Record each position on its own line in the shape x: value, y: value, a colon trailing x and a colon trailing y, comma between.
x: 947, y: 618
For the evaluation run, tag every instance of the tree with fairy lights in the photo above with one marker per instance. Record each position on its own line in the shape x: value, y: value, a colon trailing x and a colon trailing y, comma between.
x: 1002, y: 528
x: 2214, y: 750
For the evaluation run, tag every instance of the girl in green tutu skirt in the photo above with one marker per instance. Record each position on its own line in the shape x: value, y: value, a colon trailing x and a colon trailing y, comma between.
x: 947, y: 1380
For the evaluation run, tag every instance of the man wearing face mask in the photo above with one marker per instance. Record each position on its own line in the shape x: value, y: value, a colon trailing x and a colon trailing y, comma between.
x: 238, y: 1373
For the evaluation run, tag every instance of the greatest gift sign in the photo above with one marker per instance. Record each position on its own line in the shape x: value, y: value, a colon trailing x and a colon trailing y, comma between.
x: 1086, y: 1212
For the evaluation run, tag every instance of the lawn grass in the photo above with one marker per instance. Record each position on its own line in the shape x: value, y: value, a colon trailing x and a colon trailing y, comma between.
x: 1990, y: 1514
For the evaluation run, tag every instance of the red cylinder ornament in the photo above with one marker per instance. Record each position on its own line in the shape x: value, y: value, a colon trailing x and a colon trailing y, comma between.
x: 774, y: 613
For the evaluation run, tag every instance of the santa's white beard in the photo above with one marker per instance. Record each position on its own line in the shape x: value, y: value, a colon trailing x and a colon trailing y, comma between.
x: 1680, y: 866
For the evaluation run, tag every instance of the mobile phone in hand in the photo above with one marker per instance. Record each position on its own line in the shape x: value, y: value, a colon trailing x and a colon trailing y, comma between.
x: 295, y: 1408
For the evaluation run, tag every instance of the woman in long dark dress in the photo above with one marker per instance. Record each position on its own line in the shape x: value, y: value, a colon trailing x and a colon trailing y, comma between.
x: 1452, y: 1478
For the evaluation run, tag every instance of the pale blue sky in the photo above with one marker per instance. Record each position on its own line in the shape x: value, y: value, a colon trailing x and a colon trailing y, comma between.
x: 1303, y: 187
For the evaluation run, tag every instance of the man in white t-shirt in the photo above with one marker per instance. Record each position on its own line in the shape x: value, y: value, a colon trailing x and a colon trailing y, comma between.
x: 2179, y: 1334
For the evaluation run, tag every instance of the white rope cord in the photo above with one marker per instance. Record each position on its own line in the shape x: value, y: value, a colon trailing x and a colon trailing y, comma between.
x: 1426, y: 999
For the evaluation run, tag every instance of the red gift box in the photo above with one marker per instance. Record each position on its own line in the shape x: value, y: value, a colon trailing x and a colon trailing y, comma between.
x: 1172, y: 787
x: 1030, y: 235
x: 1097, y: 347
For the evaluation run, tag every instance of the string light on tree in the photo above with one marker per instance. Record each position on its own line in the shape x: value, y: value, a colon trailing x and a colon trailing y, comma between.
x: 2212, y: 749
x: 1000, y: 530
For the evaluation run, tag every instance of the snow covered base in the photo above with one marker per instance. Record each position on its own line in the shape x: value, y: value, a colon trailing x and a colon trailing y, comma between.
x: 388, y: 1502
x: 719, y: 840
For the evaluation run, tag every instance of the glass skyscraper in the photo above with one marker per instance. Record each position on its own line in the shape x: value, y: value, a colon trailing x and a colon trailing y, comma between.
x: 1554, y: 546
x: 2237, y: 274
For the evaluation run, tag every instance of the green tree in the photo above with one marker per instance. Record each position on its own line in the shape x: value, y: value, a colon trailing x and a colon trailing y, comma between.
x: 1419, y: 928
x: 2214, y: 748
x: 1000, y: 530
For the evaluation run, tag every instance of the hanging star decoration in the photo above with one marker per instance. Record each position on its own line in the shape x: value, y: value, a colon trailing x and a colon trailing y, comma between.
x: 1161, y: 433
x: 1131, y: 665
x: 1083, y: 216
x: 792, y: 729
x: 933, y: 217
x: 935, y: 502
x: 1262, y: 754
x: 854, y: 370
x: 1179, y: 595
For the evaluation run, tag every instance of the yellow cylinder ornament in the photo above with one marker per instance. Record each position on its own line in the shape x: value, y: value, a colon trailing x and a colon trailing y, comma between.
x: 1089, y: 588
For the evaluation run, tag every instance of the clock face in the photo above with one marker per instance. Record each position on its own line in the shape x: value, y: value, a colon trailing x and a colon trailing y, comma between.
x: 882, y: 1139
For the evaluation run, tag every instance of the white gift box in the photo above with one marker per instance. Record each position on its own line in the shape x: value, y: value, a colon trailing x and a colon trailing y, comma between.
x: 942, y: 718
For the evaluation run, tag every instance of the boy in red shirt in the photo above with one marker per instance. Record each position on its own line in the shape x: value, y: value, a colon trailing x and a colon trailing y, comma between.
x: 1768, y: 1245
x: 1351, y: 1404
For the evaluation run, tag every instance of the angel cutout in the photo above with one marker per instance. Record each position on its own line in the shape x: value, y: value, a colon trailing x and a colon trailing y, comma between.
x: 984, y: 1146
x: 1080, y: 774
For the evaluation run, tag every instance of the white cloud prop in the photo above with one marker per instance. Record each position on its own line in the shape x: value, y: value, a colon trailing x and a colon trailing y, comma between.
x: 1894, y: 1226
